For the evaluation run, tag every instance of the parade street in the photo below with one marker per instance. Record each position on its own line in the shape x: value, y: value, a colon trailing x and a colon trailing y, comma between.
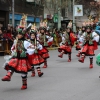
x: 62, y: 80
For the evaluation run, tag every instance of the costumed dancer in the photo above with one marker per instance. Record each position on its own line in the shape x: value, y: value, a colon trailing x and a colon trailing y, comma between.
x: 90, y: 44
x: 62, y: 38
x: 49, y: 38
x: 19, y: 62
x: 45, y: 41
x: 80, y: 40
x: 35, y: 59
x: 68, y: 42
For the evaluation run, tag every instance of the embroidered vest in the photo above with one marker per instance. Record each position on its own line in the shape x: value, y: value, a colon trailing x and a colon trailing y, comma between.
x: 20, y: 50
x: 89, y: 38
x: 67, y: 37
x: 43, y: 40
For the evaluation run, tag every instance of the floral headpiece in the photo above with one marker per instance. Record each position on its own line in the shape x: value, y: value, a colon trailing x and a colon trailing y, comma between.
x: 33, y: 28
x: 23, y: 21
x: 43, y: 24
x: 69, y: 24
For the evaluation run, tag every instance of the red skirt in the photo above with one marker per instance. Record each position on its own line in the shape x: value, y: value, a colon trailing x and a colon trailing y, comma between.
x: 88, y: 50
x: 78, y: 47
x: 95, y: 45
x: 50, y: 44
x: 67, y: 49
x: 44, y: 53
x: 35, y: 59
x: 19, y: 65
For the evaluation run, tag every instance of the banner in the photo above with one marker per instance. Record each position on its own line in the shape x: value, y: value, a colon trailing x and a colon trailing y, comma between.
x: 36, y: 1
x: 29, y: 0
x: 78, y: 10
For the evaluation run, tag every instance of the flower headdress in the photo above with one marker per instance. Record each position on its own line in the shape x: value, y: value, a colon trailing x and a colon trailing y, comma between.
x: 23, y: 21
x: 43, y: 25
x: 33, y: 28
x: 84, y: 24
x: 69, y: 24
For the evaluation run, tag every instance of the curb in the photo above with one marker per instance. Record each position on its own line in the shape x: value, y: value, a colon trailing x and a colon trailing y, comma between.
x: 55, y: 48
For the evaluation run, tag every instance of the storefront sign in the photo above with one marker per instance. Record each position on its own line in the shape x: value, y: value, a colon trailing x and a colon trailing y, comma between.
x: 78, y: 10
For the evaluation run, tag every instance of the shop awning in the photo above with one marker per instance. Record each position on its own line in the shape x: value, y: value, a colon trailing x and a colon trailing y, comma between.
x: 19, y: 16
x: 37, y: 20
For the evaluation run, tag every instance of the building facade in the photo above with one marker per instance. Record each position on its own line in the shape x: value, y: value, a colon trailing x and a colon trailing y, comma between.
x: 66, y: 12
x: 4, y: 12
x: 51, y: 10
x: 90, y: 8
x: 33, y: 10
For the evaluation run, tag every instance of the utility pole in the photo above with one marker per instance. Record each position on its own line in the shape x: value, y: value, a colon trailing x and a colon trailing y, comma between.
x: 59, y: 14
x: 13, y: 20
x: 74, y: 27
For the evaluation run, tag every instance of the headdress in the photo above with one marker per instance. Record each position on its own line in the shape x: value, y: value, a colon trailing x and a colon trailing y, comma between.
x: 23, y: 21
x: 43, y: 25
x: 88, y: 23
x: 69, y: 25
x: 33, y: 28
x: 84, y: 24
x: 92, y: 22
x: 21, y: 31
x: 88, y: 27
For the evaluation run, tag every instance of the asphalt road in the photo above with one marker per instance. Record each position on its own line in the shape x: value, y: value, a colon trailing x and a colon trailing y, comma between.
x: 62, y: 80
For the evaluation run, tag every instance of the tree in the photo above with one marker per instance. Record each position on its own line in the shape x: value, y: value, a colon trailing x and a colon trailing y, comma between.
x: 55, y: 4
x: 89, y: 6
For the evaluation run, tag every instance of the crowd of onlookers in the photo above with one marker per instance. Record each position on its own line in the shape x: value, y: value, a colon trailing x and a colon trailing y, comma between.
x: 6, y: 38
x: 9, y: 34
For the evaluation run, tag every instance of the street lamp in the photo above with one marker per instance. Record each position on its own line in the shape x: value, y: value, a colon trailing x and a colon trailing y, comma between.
x: 59, y: 17
x: 74, y: 27
x: 59, y: 14
x: 13, y: 13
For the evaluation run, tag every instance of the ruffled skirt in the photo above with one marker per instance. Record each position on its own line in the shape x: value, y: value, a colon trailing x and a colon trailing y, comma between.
x: 18, y: 65
x: 88, y: 50
x: 78, y: 46
x: 35, y: 59
x: 66, y: 49
x: 44, y: 53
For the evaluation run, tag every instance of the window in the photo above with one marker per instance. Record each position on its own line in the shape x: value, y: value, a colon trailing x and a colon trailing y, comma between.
x: 63, y: 12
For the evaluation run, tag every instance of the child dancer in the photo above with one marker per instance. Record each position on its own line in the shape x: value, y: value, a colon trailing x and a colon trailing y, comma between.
x: 66, y: 48
x: 90, y: 44
x: 19, y: 62
x: 80, y: 40
x: 35, y: 59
